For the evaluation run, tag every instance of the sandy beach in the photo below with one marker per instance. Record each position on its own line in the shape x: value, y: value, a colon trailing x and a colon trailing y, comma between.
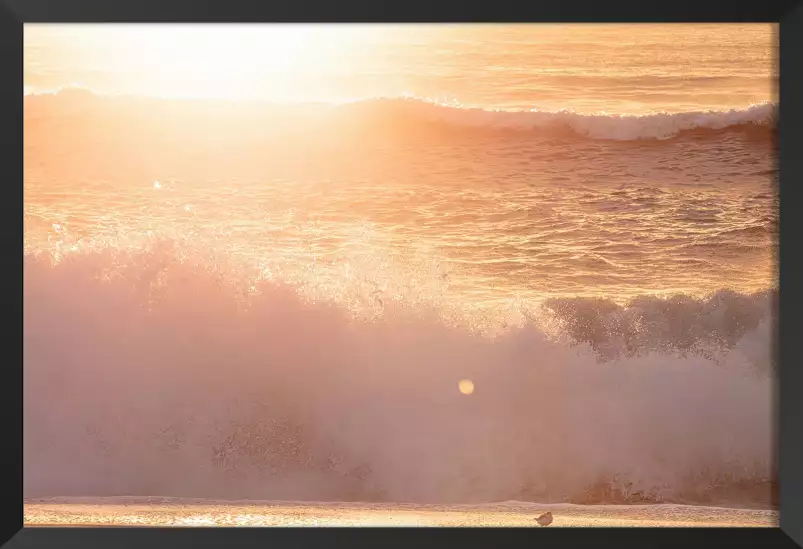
x: 122, y: 511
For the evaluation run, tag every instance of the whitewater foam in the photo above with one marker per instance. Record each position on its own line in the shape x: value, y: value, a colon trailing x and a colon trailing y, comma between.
x: 196, y: 397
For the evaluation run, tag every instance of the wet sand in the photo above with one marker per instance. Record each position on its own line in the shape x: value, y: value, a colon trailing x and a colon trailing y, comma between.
x: 138, y: 511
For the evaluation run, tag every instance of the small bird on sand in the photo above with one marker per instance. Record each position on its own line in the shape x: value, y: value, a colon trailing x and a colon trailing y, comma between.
x: 545, y: 519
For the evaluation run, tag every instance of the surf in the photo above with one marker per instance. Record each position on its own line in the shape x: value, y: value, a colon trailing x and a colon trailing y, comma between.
x: 193, y: 394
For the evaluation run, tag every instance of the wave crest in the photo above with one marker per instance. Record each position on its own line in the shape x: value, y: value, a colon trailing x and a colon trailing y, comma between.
x: 659, y: 126
x: 679, y: 323
x: 411, y: 113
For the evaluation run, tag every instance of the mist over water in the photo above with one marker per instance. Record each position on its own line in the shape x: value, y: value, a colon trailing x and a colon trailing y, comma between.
x: 196, y: 395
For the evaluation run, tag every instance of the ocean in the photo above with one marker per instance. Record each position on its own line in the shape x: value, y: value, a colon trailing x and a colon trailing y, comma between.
x: 260, y: 261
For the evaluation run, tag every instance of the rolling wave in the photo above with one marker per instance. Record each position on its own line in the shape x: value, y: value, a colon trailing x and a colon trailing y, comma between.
x: 196, y: 395
x: 660, y: 126
x: 412, y: 113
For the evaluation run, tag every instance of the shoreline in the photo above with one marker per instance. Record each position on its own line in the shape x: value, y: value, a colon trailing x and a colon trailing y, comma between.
x: 180, y: 512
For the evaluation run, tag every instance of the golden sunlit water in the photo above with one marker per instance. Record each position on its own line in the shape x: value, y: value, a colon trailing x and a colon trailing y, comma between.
x: 259, y: 260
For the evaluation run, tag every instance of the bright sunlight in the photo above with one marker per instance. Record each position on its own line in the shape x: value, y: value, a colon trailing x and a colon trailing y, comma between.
x: 223, y: 61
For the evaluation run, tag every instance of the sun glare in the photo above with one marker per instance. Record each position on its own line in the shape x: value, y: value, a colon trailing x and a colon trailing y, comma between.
x: 230, y: 61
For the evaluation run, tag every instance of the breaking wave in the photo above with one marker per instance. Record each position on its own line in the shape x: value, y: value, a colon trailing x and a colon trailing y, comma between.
x: 199, y: 395
x: 567, y: 123
x: 411, y: 113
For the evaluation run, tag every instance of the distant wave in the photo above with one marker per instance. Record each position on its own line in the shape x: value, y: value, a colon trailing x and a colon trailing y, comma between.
x: 192, y: 395
x: 408, y: 112
x: 598, y: 126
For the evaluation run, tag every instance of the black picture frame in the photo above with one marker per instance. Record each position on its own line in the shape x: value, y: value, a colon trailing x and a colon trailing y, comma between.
x: 789, y: 13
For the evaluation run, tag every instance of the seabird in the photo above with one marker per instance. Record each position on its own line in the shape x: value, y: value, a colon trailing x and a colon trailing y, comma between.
x: 545, y: 519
